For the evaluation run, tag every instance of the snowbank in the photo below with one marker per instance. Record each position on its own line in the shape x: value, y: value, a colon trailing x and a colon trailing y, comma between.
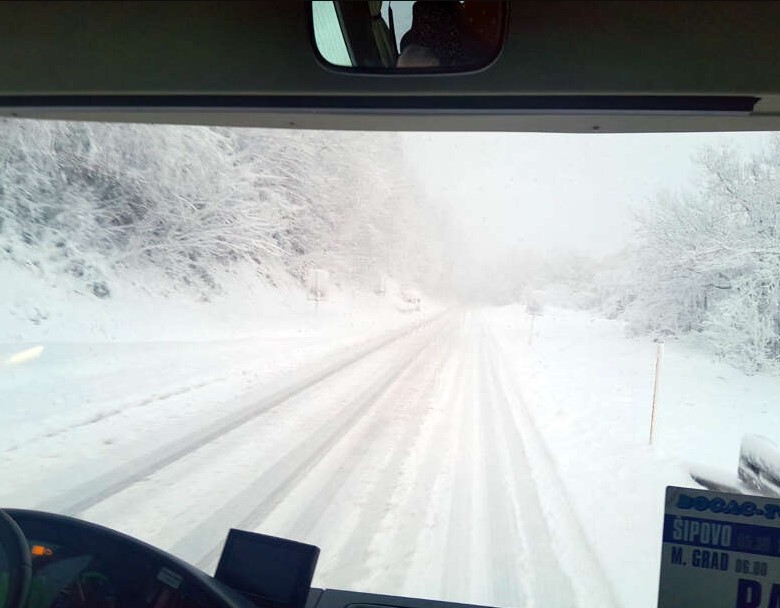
x: 35, y: 307
x: 69, y: 360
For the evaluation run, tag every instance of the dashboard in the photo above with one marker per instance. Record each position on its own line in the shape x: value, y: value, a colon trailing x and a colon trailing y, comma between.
x: 77, y: 564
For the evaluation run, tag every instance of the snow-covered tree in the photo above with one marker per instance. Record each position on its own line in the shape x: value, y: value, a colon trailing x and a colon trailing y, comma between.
x: 93, y: 199
x: 709, y: 261
x: 182, y: 199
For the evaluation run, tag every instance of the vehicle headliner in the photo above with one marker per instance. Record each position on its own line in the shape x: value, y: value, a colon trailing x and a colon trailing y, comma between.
x: 565, y: 67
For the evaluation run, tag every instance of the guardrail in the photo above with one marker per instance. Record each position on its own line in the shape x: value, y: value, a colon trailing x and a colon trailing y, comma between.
x: 758, y: 471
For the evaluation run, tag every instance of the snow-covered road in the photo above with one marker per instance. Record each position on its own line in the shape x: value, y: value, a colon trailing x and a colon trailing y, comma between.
x: 410, y: 461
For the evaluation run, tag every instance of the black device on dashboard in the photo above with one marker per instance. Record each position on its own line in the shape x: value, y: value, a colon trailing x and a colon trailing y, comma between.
x: 272, y: 572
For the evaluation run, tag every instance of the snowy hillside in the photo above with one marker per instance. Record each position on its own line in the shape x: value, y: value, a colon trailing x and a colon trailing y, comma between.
x: 97, y: 204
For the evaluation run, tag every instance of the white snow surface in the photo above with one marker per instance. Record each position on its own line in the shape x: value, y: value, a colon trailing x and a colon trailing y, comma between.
x: 454, y: 454
x: 588, y: 389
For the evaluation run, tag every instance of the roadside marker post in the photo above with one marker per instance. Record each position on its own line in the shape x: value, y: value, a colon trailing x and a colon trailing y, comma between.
x: 659, y: 354
x: 317, y: 286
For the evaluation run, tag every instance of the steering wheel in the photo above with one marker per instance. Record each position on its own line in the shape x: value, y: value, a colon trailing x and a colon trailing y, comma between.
x: 15, y: 566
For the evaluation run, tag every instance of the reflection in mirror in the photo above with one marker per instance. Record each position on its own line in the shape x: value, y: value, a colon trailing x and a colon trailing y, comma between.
x: 396, y: 36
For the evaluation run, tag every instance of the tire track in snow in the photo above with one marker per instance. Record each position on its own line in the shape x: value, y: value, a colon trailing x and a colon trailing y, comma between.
x: 512, y: 557
x: 81, y: 497
x: 418, y: 519
x: 576, y: 562
x: 102, y: 416
x: 352, y: 562
x: 456, y: 576
x: 384, y: 424
x: 247, y: 509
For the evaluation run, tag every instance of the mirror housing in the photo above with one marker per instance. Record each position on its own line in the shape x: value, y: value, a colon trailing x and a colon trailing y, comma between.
x: 399, y: 37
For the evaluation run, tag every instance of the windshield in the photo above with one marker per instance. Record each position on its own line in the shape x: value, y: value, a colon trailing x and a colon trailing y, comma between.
x: 465, y: 366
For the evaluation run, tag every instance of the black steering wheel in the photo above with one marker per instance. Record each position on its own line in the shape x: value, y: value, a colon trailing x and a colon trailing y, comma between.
x: 15, y: 566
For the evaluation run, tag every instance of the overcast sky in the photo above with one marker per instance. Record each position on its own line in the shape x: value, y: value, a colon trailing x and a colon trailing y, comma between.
x: 553, y: 190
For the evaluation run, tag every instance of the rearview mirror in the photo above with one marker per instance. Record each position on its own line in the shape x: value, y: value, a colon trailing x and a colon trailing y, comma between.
x: 404, y: 36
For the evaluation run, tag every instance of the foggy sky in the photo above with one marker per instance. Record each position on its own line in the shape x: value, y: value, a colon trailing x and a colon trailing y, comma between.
x: 555, y: 191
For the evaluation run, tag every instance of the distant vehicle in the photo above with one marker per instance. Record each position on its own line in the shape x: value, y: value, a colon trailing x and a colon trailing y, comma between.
x: 412, y: 297
x: 534, y: 304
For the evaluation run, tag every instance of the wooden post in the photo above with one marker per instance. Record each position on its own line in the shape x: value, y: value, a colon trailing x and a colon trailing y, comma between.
x: 659, y: 353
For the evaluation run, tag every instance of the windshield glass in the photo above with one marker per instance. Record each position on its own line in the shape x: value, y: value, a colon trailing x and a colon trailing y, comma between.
x: 465, y: 366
